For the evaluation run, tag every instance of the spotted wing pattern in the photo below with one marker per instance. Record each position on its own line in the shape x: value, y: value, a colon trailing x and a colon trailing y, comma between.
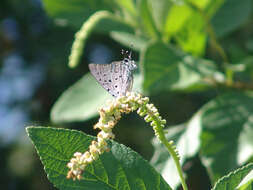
x: 116, y: 77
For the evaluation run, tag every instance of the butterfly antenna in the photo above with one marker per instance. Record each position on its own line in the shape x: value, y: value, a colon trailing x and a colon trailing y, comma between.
x: 130, y: 55
x: 126, y: 53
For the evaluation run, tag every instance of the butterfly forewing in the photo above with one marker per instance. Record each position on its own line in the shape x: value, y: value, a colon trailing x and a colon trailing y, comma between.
x: 116, y: 77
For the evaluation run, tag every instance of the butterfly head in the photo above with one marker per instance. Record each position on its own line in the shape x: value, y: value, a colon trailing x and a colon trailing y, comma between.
x: 130, y: 63
x: 128, y: 60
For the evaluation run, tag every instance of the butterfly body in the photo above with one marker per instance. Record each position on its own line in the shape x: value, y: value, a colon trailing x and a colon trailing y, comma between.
x: 116, y: 77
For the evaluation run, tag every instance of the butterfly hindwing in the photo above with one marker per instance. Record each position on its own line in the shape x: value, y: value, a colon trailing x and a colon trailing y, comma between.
x: 116, y: 77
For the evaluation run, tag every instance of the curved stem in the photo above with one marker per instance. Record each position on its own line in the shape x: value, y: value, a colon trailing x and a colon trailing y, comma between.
x: 171, y: 149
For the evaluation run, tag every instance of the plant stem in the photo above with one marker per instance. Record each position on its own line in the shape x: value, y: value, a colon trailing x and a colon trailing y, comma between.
x: 171, y: 148
x: 175, y: 158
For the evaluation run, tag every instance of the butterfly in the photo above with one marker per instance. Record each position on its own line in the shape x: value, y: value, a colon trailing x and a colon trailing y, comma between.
x: 116, y: 77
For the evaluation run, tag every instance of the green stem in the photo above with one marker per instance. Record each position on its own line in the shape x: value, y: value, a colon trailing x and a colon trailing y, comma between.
x: 84, y: 32
x: 171, y: 149
x: 175, y: 157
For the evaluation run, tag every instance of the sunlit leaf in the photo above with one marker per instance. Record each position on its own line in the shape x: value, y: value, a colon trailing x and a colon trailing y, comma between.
x: 233, y: 179
x: 227, y: 133
x: 120, y: 168
x: 246, y: 182
x: 178, y: 15
x: 192, y: 37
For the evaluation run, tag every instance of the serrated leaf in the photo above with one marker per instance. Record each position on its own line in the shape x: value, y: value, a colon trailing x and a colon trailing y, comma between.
x: 82, y: 100
x: 232, y: 180
x: 121, y: 168
x: 231, y: 15
x: 246, y: 182
x: 167, y: 69
x: 227, y: 131
x: 187, y: 141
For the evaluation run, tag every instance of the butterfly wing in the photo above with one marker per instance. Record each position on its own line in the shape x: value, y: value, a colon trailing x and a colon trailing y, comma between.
x: 121, y: 78
x: 116, y: 78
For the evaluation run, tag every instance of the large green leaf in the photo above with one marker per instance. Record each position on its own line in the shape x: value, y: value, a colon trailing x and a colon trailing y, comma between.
x: 227, y: 133
x: 82, y: 100
x: 121, y: 168
x: 167, y: 69
x: 187, y: 141
x: 233, y: 179
x: 231, y: 15
x: 75, y: 12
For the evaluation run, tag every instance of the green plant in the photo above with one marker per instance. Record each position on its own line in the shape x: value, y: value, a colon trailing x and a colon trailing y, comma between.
x: 180, y: 52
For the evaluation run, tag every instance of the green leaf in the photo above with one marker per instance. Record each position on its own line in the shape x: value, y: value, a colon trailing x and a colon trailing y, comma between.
x: 192, y: 36
x: 227, y: 132
x: 75, y: 12
x: 82, y: 100
x: 187, y: 141
x: 222, y: 131
x: 128, y: 7
x: 166, y: 69
x: 246, y: 182
x: 121, y: 168
x: 201, y: 4
x: 146, y: 19
x: 232, y: 180
x: 159, y: 11
x: 231, y: 15
x: 177, y: 17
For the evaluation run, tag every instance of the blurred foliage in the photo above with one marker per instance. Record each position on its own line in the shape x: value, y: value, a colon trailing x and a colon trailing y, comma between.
x: 195, y: 63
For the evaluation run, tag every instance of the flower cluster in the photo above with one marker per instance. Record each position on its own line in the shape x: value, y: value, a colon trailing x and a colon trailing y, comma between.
x: 109, y: 116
